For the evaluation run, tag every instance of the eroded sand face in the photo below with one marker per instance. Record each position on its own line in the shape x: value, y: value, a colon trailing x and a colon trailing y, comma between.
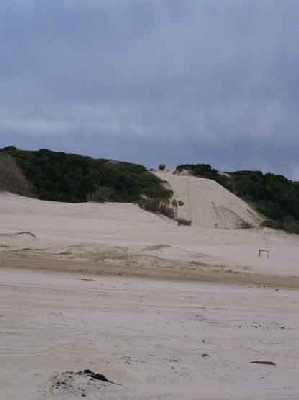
x: 156, y: 340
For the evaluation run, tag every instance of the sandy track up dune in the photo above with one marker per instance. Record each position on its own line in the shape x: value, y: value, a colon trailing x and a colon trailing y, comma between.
x: 208, y: 204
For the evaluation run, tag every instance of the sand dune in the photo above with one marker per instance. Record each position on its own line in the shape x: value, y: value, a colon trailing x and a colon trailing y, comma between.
x: 208, y: 204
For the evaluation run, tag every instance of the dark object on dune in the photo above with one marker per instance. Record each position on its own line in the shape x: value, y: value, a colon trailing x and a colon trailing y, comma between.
x: 264, y: 363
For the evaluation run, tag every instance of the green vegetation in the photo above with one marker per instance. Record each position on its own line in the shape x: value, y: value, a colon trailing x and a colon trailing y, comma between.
x: 200, y: 170
x: 58, y: 176
x: 74, y: 178
x: 275, y: 196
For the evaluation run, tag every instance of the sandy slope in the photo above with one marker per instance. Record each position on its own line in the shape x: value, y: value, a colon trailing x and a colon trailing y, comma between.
x: 208, y: 204
x: 156, y: 340
x: 125, y: 235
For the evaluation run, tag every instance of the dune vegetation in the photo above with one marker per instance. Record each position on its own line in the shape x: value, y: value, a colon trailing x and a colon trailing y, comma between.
x: 74, y: 178
x: 58, y: 176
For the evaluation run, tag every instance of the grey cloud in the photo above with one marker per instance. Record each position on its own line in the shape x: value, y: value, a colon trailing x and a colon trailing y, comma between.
x: 154, y: 80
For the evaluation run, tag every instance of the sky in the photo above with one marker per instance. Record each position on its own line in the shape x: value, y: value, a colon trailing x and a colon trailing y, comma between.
x: 154, y: 81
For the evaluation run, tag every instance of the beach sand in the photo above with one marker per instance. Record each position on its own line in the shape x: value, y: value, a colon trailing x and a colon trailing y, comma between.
x: 154, y: 339
x: 164, y: 312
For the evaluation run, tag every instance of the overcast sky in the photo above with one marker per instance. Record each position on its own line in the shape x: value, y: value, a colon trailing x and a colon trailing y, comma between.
x: 154, y: 81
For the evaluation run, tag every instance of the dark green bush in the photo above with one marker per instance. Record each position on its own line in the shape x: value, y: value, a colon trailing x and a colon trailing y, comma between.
x: 73, y: 178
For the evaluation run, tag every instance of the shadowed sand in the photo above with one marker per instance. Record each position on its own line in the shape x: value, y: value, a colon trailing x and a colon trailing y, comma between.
x: 143, y: 267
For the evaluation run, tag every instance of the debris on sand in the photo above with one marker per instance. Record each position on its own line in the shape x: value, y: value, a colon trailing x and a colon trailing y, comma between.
x: 18, y: 234
x: 26, y: 234
x: 94, y: 375
x: 87, y: 279
x: 78, y: 383
x: 264, y: 363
